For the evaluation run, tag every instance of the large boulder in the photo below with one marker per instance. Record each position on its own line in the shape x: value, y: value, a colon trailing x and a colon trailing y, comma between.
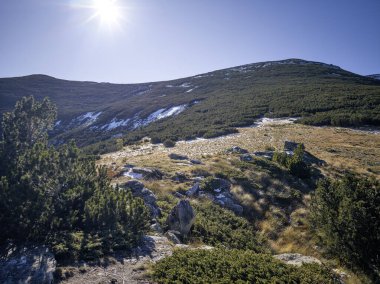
x: 28, y: 265
x: 150, y: 199
x: 181, y: 218
x: 148, y: 173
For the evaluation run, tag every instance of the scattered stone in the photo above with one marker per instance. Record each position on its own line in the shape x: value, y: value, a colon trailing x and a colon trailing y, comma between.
x: 179, y: 195
x: 180, y: 177
x: 156, y: 227
x: 193, y: 190
x: 246, y: 157
x: 237, y: 150
x: 342, y: 275
x: 135, y: 185
x: 148, y: 173
x: 196, y: 162
x: 28, y: 265
x: 181, y: 218
x: 172, y: 236
x: 296, y: 259
x: 198, y: 179
x: 174, y: 156
x: 203, y: 194
x: 147, y: 195
x: 236, y: 208
x: 264, y: 154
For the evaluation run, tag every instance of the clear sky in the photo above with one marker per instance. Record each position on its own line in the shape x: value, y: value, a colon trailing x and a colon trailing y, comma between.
x: 150, y: 40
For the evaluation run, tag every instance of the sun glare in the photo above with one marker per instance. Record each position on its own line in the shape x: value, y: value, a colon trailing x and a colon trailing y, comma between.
x: 107, y: 11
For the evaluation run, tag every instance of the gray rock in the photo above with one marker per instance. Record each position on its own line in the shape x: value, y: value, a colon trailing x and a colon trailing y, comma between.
x: 193, y: 190
x: 237, y: 150
x: 290, y: 146
x: 179, y: 195
x: 156, y: 227
x: 236, y: 208
x: 135, y: 185
x: 172, y: 236
x: 174, y: 156
x: 203, y: 194
x: 181, y: 218
x: 196, y: 162
x: 150, y: 199
x: 148, y: 173
x: 180, y: 177
x: 246, y: 157
x: 297, y: 259
x: 28, y: 265
x: 264, y: 154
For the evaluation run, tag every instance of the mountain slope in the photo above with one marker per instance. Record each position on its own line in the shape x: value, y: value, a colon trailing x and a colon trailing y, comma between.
x: 205, y: 105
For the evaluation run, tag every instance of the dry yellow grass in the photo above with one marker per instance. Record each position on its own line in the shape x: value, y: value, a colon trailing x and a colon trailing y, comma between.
x: 343, y: 149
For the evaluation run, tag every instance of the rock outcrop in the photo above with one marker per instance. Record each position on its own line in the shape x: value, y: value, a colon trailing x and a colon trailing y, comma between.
x: 28, y: 265
x: 148, y: 173
x: 297, y: 259
x: 147, y: 195
x: 193, y: 190
x: 174, y: 156
x: 181, y: 218
x: 237, y: 150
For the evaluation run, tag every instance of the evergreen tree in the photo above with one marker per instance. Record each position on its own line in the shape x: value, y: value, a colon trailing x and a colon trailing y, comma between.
x: 59, y: 196
x: 346, y: 216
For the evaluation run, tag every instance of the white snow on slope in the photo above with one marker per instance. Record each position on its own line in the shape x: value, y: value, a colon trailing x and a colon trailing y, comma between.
x: 88, y: 117
x: 115, y: 123
x: 192, y: 89
x: 159, y: 114
x: 185, y: 85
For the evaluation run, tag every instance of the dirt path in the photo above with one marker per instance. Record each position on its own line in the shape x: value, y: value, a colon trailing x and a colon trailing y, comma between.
x: 126, y: 270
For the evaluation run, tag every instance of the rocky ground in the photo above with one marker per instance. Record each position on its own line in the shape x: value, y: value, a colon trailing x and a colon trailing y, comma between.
x: 344, y: 148
x: 123, y: 269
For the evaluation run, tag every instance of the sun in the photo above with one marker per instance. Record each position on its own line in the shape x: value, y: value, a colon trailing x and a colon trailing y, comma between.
x: 107, y: 11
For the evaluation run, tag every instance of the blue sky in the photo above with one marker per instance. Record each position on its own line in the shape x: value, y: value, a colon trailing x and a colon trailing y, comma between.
x: 160, y: 39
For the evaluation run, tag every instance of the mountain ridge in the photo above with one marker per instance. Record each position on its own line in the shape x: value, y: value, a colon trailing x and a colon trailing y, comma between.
x: 203, y: 105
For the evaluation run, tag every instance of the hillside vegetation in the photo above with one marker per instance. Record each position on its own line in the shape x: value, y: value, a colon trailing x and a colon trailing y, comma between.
x: 206, y: 105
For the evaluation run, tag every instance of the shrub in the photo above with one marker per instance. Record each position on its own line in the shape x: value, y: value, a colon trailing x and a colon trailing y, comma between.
x: 155, y: 140
x: 169, y: 143
x: 294, y: 163
x: 217, y: 226
x: 345, y: 215
x: 235, y: 266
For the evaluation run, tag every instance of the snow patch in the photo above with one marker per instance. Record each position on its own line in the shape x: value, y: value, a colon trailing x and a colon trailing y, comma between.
x: 203, y: 76
x: 185, y: 85
x: 159, y: 114
x: 87, y: 118
x: 189, y: 91
x: 115, y: 123
x: 132, y: 174
x: 274, y: 121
